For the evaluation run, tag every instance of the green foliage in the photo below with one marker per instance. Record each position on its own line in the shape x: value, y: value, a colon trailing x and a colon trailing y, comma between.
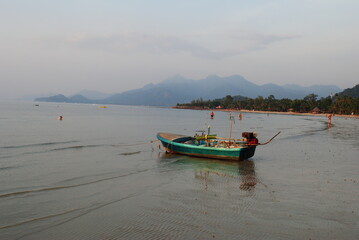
x: 339, y: 104
x: 345, y: 105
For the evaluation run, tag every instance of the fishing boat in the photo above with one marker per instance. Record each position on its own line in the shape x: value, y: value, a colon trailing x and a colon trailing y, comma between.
x: 210, y: 146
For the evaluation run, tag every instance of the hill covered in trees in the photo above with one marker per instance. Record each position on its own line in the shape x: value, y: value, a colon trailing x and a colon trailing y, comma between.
x: 351, y: 92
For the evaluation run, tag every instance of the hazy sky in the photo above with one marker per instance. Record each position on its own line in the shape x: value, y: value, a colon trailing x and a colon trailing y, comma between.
x: 64, y: 46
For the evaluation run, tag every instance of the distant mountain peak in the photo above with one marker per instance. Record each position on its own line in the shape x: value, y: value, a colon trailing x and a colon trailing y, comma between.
x: 270, y: 85
x: 177, y: 79
x: 147, y: 86
x: 212, y: 76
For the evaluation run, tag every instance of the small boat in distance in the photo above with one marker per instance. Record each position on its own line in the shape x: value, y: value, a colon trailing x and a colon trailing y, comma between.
x: 102, y: 106
x: 211, y: 146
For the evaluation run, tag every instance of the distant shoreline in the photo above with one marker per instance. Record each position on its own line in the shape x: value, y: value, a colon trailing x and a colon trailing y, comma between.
x: 266, y: 112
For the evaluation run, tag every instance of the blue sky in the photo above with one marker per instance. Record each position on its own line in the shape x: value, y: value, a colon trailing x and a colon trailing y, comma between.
x: 113, y: 46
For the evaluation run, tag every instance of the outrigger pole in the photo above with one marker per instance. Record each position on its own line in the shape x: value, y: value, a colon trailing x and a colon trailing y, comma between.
x: 269, y: 140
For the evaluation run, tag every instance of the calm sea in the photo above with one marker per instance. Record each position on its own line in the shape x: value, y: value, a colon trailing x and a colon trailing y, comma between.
x: 96, y: 175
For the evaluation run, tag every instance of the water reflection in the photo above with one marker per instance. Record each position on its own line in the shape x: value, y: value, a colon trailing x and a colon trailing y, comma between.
x: 211, y: 171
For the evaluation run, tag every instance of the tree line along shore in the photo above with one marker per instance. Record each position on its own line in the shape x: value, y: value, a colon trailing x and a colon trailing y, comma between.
x: 309, y: 105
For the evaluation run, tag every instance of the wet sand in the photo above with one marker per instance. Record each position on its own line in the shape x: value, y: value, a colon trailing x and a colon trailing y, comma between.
x: 90, y: 176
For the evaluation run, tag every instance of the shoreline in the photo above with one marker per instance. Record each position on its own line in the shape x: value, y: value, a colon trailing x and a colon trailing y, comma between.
x: 268, y: 112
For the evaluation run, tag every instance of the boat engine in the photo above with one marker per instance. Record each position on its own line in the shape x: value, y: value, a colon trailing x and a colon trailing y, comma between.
x: 251, y: 137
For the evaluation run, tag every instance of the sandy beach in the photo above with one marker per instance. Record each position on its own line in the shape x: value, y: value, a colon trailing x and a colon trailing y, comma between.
x: 296, y: 113
x: 269, y: 112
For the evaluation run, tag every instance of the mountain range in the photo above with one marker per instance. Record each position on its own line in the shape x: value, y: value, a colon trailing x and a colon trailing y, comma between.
x: 178, y: 89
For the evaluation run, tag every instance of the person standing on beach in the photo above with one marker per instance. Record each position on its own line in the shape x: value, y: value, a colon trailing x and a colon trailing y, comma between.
x: 329, y: 116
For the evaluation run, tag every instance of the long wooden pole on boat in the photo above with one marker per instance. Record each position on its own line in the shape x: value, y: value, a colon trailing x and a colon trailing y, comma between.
x: 268, y: 140
x: 230, y: 126
x: 234, y: 139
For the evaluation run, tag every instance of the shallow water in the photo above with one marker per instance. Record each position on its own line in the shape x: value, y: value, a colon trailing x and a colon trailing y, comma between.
x: 96, y: 175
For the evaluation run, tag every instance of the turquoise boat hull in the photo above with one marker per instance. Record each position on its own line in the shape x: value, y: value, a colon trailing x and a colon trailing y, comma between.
x: 179, y: 144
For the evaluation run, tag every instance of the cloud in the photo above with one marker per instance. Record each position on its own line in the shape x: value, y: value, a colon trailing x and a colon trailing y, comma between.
x: 143, y: 43
x: 222, y: 45
x: 261, y: 41
x: 243, y: 42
